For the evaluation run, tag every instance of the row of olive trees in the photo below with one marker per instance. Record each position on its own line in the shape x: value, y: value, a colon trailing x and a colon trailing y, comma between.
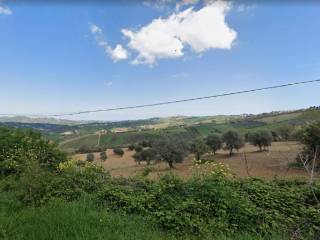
x: 173, y: 150
x: 230, y: 140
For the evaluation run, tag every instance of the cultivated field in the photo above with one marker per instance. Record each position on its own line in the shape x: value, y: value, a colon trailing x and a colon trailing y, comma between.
x: 247, y: 162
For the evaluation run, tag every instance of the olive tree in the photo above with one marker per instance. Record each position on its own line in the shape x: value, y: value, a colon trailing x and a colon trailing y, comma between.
x: 146, y: 155
x: 171, y: 150
x: 261, y: 138
x: 232, y: 140
x: 310, y: 137
x: 214, y: 142
x: 199, y: 148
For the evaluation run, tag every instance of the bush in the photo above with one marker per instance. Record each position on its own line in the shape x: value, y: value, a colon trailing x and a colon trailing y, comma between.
x: 118, y: 151
x: 145, y: 143
x: 138, y: 148
x: 146, y: 155
x: 103, y: 156
x: 20, y: 148
x: 90, y: 157
x: 86, y: 149
x: 131, y: 147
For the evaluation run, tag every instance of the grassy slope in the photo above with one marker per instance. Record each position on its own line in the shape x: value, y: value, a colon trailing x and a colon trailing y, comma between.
x: 260, y: 122
x: 83, y: 221
x: 120, y: 139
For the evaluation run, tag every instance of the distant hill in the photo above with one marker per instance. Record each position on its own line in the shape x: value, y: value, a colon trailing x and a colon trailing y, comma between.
x: 25, y: 119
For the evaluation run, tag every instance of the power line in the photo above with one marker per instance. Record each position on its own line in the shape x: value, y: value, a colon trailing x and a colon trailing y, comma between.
x: 181, y: 100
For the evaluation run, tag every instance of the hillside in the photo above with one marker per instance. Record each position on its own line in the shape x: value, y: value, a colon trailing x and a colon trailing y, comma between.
x: 189, y: 128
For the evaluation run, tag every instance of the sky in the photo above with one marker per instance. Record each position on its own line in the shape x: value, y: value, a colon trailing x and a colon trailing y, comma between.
x: 58, y: 57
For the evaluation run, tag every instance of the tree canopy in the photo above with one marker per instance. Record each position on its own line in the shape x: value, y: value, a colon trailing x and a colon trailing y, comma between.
x: 199, y: 148
x: 171, y: 150
x: 233, y: 140
x: 261, y: 138
x: 214, y: 142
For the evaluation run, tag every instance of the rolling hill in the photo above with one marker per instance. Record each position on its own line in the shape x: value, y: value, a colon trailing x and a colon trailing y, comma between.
x: 72, y: 134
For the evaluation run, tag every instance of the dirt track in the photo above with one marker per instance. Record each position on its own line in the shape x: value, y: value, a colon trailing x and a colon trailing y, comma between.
x: 259, y: 164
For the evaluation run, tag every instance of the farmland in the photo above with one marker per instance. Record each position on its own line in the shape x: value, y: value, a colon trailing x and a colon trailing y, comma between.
x: 268, y: 165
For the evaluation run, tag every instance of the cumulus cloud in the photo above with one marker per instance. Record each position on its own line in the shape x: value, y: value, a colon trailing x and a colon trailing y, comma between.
x: 5, y: 10
x: 118, y: 53
x: 200, y: 30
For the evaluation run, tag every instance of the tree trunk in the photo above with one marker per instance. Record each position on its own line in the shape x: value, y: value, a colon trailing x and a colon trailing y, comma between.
x: 230, y: 153
x: 170, y: 164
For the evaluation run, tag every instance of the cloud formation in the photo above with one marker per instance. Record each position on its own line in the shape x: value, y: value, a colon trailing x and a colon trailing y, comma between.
x: 200, y: 30
x: 118, y: 53
x: 5, y: 10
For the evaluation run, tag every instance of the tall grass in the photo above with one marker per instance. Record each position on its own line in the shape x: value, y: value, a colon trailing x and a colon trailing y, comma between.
x: 74, y: 221
x: 83, y: 221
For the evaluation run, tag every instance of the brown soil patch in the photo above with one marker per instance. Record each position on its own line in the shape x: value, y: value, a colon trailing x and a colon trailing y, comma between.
x: 270, y: 164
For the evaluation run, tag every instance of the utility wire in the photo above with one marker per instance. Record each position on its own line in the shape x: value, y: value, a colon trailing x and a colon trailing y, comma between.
x: 181, y: 100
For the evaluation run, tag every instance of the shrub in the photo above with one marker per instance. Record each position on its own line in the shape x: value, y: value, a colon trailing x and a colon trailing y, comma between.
x: 86, y: 149
x: 145, y: 143
x: 118, y: 151
x: 20, y: 148
x: 131, y: 147
x: 90, y: 157
x: 146, y: 155
x: 103, y: 156
x: 138, y: 148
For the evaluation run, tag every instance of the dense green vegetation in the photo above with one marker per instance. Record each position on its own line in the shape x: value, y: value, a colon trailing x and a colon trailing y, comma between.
x: 66, y: 199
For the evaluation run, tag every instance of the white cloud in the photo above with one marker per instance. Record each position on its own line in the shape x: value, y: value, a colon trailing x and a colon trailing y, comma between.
x: 118, y: 53
x: 95, y: 29
x: 5, y: 10
x: 200, y: 30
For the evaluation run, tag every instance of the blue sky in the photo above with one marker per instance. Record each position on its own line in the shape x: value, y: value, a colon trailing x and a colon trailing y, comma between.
x: 58, y: 58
